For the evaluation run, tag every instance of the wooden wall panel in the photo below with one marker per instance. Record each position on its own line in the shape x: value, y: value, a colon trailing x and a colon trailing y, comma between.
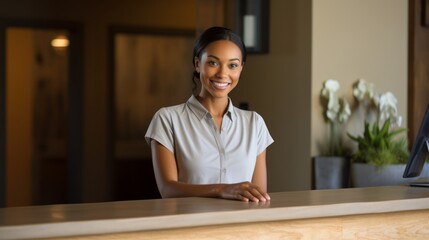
x: 418, y: 82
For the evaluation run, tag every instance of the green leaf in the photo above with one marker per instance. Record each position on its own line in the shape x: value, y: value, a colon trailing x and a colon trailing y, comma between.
x: 369, y: 134
x: 377, y: 145
x: 385, y: 128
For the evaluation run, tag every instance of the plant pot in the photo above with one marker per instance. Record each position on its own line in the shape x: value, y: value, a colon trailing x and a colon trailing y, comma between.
x: 331, y: 172
x: 367, y: 175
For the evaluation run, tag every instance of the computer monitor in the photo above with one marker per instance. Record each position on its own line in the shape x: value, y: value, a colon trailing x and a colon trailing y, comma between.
x: 419, y: 152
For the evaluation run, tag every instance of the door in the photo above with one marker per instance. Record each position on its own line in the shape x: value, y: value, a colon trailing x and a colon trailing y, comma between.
x: 40, y: 109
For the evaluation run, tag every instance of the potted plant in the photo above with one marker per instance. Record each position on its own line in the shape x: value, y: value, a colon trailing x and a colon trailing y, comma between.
x: 331, y: 168
x: 382, y: 152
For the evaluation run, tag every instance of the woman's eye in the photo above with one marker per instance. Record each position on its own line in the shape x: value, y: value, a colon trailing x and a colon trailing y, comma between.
x: 233, y: 65
x: 212, y: 63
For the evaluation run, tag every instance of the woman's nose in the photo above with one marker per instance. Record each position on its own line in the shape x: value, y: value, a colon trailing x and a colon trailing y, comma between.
x: 221, y: 72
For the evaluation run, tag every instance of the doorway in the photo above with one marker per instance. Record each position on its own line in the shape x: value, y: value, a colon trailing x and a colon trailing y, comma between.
x: 40, y: 152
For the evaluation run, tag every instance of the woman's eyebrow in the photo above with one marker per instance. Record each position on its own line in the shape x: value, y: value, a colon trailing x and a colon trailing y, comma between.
x: 232, y: 59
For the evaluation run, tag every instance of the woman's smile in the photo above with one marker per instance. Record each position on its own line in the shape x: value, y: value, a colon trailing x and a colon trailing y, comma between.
x: 220, y: 85
x: 219, y: 67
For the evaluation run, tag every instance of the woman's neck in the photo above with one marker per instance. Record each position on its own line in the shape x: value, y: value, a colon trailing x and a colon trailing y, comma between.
x: 216, y: 106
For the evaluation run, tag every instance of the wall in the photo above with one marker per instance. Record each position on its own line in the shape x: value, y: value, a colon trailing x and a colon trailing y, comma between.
x: 277, y: 86
x: 19, y: 118
x: 358, y: 39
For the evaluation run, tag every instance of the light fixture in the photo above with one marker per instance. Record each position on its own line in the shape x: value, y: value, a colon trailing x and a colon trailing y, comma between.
x: 249, y: 30
x: 252, y: 24
x: 60, y: 41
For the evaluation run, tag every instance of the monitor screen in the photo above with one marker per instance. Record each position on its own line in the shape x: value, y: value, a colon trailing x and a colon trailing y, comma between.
x: 420, y: 149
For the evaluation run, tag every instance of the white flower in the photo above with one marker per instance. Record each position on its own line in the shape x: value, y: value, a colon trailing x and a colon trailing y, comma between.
x: 399, y: 120
x: 336, y: 109
x: 363, y: 90
x: 336, y: 112
x: 333, y: 109
x: 330, y: 87
x: 388, y: 109
x: 388, y: 100
x: 359, y: 89
x: 345, y: 111
x: 333, y: 103
x: 329, y: 91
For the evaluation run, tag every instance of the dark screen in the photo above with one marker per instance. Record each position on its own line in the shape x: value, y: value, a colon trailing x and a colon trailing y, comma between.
x: 419, y: 152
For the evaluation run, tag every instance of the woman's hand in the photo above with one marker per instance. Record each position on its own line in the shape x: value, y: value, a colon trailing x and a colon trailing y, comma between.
x: 244, y: 191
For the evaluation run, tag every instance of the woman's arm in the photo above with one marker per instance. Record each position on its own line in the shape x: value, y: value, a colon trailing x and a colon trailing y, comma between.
x: 165, y: 167
x: 260, y: 173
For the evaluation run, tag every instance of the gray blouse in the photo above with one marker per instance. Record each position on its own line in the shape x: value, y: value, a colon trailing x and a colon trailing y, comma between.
x: 203, y: 154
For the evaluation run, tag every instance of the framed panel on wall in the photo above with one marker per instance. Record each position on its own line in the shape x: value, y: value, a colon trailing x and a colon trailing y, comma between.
x: 252, y: 23
x: 144, y: 80
x: 425, y: 13
x: 149, y: 69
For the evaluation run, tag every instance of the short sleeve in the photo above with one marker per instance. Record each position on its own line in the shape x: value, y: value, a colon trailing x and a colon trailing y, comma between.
x: 264, y: 137
x: 161, y: 129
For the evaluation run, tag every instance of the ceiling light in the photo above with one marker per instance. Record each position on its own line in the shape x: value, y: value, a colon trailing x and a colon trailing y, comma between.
x: 60, y: 42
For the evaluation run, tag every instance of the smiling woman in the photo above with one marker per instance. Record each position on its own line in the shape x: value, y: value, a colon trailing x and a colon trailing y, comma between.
x: 206, y: 147
x: 219, y: 68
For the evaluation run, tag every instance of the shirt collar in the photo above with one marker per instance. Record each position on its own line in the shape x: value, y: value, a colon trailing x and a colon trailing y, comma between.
x: 200, y: 111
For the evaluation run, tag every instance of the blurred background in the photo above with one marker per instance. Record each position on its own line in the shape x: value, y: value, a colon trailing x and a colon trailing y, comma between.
x: 80, y: 81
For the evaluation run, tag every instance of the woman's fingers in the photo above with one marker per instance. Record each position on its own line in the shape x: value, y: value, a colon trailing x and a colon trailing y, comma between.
x: 247, y: 191
x: 257, y: 195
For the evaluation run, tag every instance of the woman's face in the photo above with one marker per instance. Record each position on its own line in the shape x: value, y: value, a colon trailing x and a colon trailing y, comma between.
x: 219, y: 68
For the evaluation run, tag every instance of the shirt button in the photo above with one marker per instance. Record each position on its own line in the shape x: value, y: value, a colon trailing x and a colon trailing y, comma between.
x: 224, y: 170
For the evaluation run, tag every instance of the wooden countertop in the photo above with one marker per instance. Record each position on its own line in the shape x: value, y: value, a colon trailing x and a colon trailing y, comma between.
x: 127, y: 216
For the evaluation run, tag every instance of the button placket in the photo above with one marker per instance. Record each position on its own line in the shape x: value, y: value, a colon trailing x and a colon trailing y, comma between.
x: 221, y: 149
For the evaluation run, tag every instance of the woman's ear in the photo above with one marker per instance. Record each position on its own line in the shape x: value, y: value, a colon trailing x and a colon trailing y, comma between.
x: 197, y: 64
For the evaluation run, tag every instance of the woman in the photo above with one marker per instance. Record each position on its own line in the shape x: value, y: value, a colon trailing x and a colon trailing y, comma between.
x: 206, y: 147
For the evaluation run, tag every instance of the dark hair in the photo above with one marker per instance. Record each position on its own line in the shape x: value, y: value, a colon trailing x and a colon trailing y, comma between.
x: 211, y: 35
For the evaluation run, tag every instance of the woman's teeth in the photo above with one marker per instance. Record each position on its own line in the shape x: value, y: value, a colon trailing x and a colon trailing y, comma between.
x: 222, y: 85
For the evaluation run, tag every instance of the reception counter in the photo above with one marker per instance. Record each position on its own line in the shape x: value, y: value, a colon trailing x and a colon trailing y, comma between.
x: 393, y: 212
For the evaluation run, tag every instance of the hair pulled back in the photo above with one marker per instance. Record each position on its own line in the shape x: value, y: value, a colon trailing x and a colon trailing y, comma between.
x: 211, y: 35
